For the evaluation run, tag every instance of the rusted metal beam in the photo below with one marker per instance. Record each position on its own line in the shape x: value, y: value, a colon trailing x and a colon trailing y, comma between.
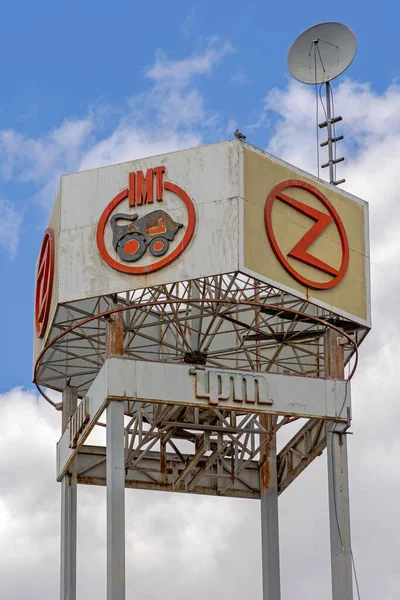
x: 115, y: 335
x: 306, y: 445
x: 147, y: 474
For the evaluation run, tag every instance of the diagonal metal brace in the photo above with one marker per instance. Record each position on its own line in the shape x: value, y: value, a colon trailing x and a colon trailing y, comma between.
x: 308, y: 443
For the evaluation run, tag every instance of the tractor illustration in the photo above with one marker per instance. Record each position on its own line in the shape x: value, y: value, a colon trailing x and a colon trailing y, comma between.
x: 153, y: 231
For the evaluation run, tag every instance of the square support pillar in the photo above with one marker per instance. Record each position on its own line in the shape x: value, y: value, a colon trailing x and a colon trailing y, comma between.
x: 269, y: 515
x: 115, y: 473
x: 68, y: 510
x: 338, y: 482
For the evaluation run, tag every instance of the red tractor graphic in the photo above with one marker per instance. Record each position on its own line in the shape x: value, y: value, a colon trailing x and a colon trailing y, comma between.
x: 154, y: 231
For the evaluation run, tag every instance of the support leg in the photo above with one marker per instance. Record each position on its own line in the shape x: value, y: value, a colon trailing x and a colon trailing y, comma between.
x: 339, y: 515
x: 269, y: 519
x: 68, y: 538
x: 338, y: 482
x: 115, y: 470
x: 68, y: 511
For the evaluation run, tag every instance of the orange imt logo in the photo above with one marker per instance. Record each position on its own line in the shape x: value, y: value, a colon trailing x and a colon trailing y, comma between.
x: 147, y: 225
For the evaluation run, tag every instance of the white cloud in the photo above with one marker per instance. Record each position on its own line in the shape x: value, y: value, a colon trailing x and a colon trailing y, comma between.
x: 170, y: 115
x: 188, y: 23
x: 10, y: 223
x: 178, y: 73
x: 30, y: 159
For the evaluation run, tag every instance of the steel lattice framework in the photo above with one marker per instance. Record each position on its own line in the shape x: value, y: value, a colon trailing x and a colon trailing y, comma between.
x: 209, y: 321
x: 228, y: 321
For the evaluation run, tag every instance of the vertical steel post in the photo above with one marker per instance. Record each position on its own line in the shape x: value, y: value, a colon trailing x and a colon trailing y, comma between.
x: 329, y: 129
x: 338, y: 482
x: 115, y: 473
x: 68, y: 510
x: 269, y: 515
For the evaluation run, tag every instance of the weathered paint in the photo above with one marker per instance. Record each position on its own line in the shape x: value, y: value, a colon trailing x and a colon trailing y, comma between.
x: 207, y: 175
x: 342, y: 245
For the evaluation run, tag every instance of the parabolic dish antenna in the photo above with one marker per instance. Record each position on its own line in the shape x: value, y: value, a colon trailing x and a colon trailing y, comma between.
x: 321, y: 53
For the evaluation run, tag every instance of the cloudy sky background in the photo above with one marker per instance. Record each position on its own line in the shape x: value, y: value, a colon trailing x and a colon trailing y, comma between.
x: 88, y: 86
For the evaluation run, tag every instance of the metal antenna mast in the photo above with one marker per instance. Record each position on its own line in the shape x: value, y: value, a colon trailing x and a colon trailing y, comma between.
x: 318, y: 55
x: 330, y: 118
x: 332, y: 139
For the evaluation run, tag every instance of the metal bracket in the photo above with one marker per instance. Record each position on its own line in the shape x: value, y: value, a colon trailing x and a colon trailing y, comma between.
x: 345, y: 429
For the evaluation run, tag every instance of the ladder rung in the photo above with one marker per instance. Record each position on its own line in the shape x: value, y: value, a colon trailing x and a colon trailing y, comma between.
x: 332, y: 141
x: 339, y: 182
x: 325, y: 123
x: 334, y: 162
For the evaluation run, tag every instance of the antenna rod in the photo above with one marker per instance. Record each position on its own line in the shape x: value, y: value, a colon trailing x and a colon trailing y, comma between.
x: 329, y: 126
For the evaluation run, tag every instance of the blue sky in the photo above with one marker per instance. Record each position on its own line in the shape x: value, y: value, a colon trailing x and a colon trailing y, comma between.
x: 91, y: 83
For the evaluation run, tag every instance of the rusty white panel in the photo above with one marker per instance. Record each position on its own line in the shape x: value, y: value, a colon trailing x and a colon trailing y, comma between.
x: 94, y: 404
x: 247, y: 391
x: 229, y: 389
x: 208, y: 174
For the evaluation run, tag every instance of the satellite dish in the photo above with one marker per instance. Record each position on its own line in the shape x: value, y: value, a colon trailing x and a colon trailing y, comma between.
x: 321, y: 53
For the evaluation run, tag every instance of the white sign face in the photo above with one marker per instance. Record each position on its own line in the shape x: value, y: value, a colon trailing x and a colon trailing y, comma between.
x: 148, y: 222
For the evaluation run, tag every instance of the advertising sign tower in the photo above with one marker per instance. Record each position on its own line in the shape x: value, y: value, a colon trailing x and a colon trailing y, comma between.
x: 195, y: 303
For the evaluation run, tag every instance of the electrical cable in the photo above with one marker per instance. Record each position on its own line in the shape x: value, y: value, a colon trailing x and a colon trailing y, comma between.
x: 316, y: 107
x: 322, y: 103
x: 317, y: 127
x: 334, y: 127
x: 355, y: 575
x: 333, y: 467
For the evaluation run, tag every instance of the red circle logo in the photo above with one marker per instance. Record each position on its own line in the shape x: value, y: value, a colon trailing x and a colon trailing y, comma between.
x: 300, y: 249
x: 151, y: 238
x: 44, y: 283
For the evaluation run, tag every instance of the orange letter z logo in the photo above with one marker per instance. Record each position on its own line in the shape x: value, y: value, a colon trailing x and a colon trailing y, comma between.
x: 322, y: 220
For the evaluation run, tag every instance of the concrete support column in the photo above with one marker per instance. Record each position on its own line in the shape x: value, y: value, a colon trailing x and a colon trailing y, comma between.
x: 115, y: 473
x: 68, y: 510
x: 269, y: 516
x: 338, y: 482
